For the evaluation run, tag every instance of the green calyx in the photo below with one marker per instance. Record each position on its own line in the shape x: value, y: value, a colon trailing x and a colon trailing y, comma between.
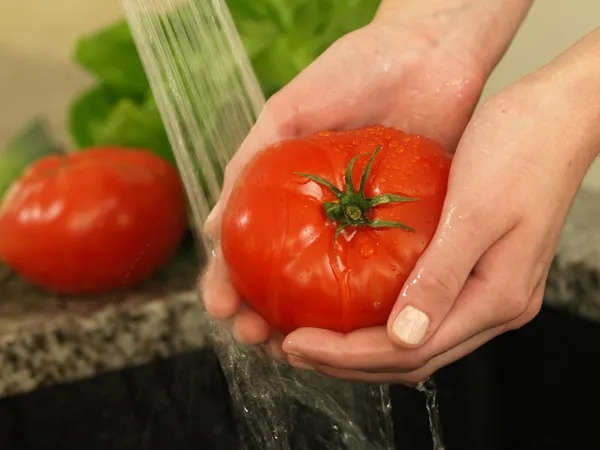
x: 352, y: 206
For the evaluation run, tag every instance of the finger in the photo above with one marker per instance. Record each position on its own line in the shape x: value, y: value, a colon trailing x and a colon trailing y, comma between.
x: 506, y: 285
x: 463, y: 235
x: 408, y: 378
x: 368, y: 350
x: 411, y: 378
x: 221, y: 300
x: 250, y: 327
x: 274, y: 347
x: 486, y: 301
x: 431, y: 291
x: 472, y: 344
x: 344, y: 374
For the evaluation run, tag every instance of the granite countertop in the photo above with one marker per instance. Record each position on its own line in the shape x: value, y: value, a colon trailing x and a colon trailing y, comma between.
x: 47, y: 339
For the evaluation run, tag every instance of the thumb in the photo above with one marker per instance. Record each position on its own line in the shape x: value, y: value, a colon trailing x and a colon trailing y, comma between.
x: 436, y: 281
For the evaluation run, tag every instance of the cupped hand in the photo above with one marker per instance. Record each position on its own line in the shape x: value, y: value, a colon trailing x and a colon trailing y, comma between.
x: 385, y: 74
x: 514, y: 175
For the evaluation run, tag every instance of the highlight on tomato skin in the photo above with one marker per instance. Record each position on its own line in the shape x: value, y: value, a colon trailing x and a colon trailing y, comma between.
x: 323, y: 231
x: 92, y: 221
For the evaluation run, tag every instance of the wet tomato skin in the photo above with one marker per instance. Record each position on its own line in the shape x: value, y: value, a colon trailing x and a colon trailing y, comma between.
x: 92, y: 221
x: 279, y: 243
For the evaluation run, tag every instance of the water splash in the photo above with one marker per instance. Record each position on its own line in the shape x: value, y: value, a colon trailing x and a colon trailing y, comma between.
x: 428, y: 388
x: 209, y: 98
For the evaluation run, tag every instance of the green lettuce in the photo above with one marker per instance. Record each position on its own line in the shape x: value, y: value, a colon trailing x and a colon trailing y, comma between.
x: 281, y: 37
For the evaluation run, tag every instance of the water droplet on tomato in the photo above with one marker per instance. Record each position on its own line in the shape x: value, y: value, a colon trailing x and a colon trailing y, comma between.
x: 377, y: 305
x: 394, y: 144
x: 407, y: 139
x: 367, y: 250
x: 325, y: 133
x: 394, y: 268
x: 396, y: 241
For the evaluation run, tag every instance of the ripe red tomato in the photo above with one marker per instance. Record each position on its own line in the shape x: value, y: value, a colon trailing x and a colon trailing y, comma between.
x: 306, y: 253
x: 93, y: 220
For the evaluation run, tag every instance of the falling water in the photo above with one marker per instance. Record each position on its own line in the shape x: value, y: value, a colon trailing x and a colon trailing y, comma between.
x: 209, y: 98
x: 428, y: 388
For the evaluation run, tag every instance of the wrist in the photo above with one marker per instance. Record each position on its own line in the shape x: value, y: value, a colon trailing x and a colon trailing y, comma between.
x: 478, y: 30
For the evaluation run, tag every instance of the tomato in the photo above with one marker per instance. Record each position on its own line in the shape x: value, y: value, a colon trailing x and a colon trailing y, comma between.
x: 92, y: 221
x: 307, y: 248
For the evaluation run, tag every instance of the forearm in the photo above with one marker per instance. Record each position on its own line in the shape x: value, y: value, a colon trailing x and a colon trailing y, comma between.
x: 481, y: 28
x: 571, y: 87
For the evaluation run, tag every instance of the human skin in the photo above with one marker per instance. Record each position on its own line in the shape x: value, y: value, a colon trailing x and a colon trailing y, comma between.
x: 513, y: 179
x: 518, y: 162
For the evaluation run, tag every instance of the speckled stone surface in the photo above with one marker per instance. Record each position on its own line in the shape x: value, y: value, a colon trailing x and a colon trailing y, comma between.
x: 46, y: 339
x: 574, y: 280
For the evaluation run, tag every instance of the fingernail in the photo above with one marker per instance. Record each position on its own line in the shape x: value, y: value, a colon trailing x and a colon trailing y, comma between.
x: 411, y: 325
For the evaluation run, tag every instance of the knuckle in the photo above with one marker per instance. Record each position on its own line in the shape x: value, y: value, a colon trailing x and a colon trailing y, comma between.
x: 532, y: 310
x: 516, y: 303
x: 442, y: 286
x: 283, y: 113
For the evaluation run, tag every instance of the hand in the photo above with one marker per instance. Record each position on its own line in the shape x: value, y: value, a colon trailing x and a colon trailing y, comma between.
x: 378, y: 74
x: 513, y: 178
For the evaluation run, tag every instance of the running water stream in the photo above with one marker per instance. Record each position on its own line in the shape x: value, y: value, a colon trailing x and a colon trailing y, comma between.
x: 209, y: 98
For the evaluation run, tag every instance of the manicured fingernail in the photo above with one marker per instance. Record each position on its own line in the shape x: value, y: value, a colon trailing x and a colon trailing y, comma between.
x: 411, y: 325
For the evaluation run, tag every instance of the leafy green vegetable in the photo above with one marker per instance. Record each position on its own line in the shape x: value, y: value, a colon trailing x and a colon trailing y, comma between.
x: 29, y: 145
x: 132, y: 124
x: 281, y: 37
x: 111, y: 55
x: 88, y: 112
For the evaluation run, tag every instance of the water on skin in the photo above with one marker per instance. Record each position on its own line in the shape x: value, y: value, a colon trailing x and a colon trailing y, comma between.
x: 269, y: 398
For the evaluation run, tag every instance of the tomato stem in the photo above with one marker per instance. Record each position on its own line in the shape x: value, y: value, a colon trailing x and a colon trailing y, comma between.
x: 351, y: 206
